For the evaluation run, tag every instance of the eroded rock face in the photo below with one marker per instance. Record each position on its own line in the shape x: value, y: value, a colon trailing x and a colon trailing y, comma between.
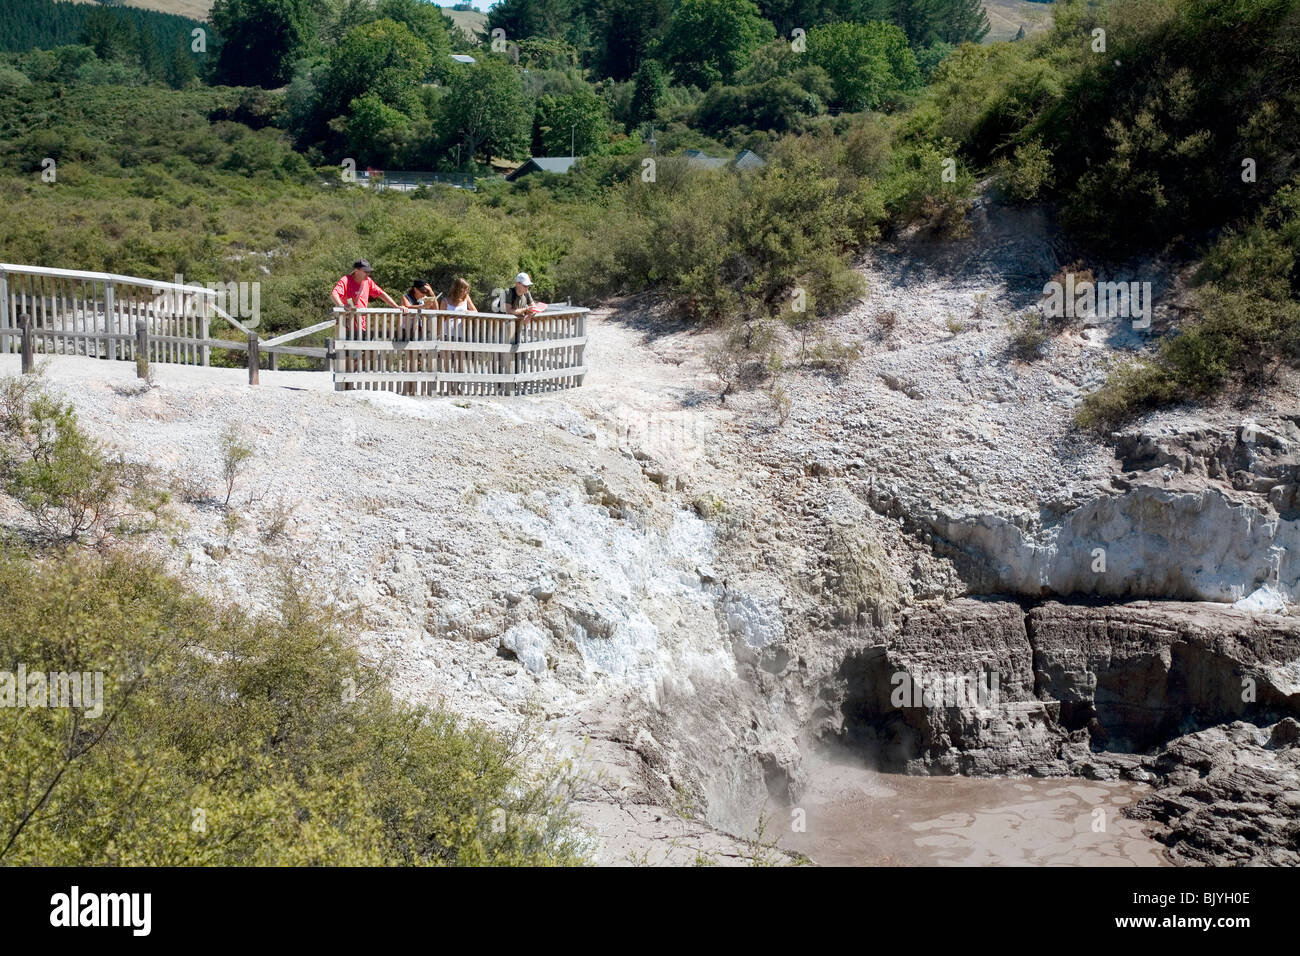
x: 1072, y: 682
x: 1137, y: 675
x: 1147, y: 542
x: 1200, y: 511
x: 891, y: 713
x: 1231, y: 795
x: 1261, y: 456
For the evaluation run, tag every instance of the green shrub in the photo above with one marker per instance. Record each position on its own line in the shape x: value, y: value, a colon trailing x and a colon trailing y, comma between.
x: 1131, y: 389
x: 915, y: 190
x: 1027, y: 175
x: 1263, y: 256
x: 235, y: 451
x: 231, y: 739
x: 1246, y: 323
x: 49, y: 465
x: 1029, y: 336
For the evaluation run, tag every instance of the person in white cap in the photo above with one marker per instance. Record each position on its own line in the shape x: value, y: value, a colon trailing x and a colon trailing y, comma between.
x: 520, y: 298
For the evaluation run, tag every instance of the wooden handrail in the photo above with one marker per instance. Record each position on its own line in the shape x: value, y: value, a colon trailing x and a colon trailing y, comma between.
x: 91, y: 313
x: 552, y: 313
x: 105, y: 277
x: 300, y: 333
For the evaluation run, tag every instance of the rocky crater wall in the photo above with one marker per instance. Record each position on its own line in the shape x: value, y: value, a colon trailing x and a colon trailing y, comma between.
x: 1146, y: 542
x: 1074, y: 683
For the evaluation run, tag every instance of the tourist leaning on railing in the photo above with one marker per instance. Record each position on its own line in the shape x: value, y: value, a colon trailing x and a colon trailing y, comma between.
x: 420, y: 295
x: 354, y: 290
x: 519, y: 300
x: 457, y: 299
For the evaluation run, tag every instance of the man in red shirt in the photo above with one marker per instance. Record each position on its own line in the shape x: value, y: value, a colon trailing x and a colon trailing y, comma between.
x: 355, y: 289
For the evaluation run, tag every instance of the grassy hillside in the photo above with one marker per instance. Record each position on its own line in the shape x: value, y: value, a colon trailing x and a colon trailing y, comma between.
x: 198, y: 9
x: 470, y: 21
x: 1006, y: 17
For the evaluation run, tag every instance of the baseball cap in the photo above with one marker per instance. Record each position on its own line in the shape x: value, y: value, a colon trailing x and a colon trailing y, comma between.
x: 362, y: 264
x: 525, y: 278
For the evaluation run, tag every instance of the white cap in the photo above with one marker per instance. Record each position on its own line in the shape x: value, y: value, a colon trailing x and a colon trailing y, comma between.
x: 525, y: 278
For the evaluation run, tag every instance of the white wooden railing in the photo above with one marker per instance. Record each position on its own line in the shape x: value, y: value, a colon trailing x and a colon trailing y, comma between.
x: 433, y: 352
x: 98, y: 314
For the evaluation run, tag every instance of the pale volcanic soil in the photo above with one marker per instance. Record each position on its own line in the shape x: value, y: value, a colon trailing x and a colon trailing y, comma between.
x: 669, y: 586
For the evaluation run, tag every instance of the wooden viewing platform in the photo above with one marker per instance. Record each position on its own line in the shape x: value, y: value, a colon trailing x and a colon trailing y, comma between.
x: 430, y: 352
x: 435, y: 352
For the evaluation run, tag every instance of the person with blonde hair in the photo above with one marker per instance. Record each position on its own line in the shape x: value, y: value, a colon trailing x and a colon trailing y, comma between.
x: 457, y: 299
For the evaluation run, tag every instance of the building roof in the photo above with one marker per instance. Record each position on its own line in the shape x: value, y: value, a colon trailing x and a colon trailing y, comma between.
x: 696, y: 157
x: 745, y: 159
x: 544, y: 164
x: 463, y: 58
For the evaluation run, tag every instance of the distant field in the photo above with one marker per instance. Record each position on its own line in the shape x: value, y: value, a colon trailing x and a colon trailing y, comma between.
x: 198, y: 9
x: 1007, y: 16
x: 469, y: 21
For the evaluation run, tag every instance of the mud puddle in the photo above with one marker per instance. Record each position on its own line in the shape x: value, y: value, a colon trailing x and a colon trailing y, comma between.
x: 859, y: 817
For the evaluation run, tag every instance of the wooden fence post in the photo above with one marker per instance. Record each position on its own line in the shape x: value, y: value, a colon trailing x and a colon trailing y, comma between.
x: 141, y: 348
x: 254, y: 358
x: 582, y: 349
x: 6, y: 320
x: 205, y: 351
x: 29, y: 344
x: 113, y: 323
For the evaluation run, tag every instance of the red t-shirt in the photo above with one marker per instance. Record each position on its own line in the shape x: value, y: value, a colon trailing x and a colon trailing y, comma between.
x: 358, y: 292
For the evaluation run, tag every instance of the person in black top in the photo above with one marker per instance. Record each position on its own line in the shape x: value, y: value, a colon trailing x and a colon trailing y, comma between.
x: 420, y: 290
x: 414, y: 327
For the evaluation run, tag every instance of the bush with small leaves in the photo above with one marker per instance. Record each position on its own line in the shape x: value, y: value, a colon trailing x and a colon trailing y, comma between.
x: 1027, y: 175
x: 235, y: 451
x: 1029, y: 336
x: 48, y: 464
x: 224, y: 738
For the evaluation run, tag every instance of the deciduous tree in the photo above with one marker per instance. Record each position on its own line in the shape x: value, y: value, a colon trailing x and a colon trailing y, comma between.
x: 709, y: 40
x: 261, y: 40
x: 866, y: 62
x: 487, y: 110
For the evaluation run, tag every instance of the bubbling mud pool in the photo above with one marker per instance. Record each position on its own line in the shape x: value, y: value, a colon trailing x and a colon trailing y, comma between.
x: 858, y: 817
